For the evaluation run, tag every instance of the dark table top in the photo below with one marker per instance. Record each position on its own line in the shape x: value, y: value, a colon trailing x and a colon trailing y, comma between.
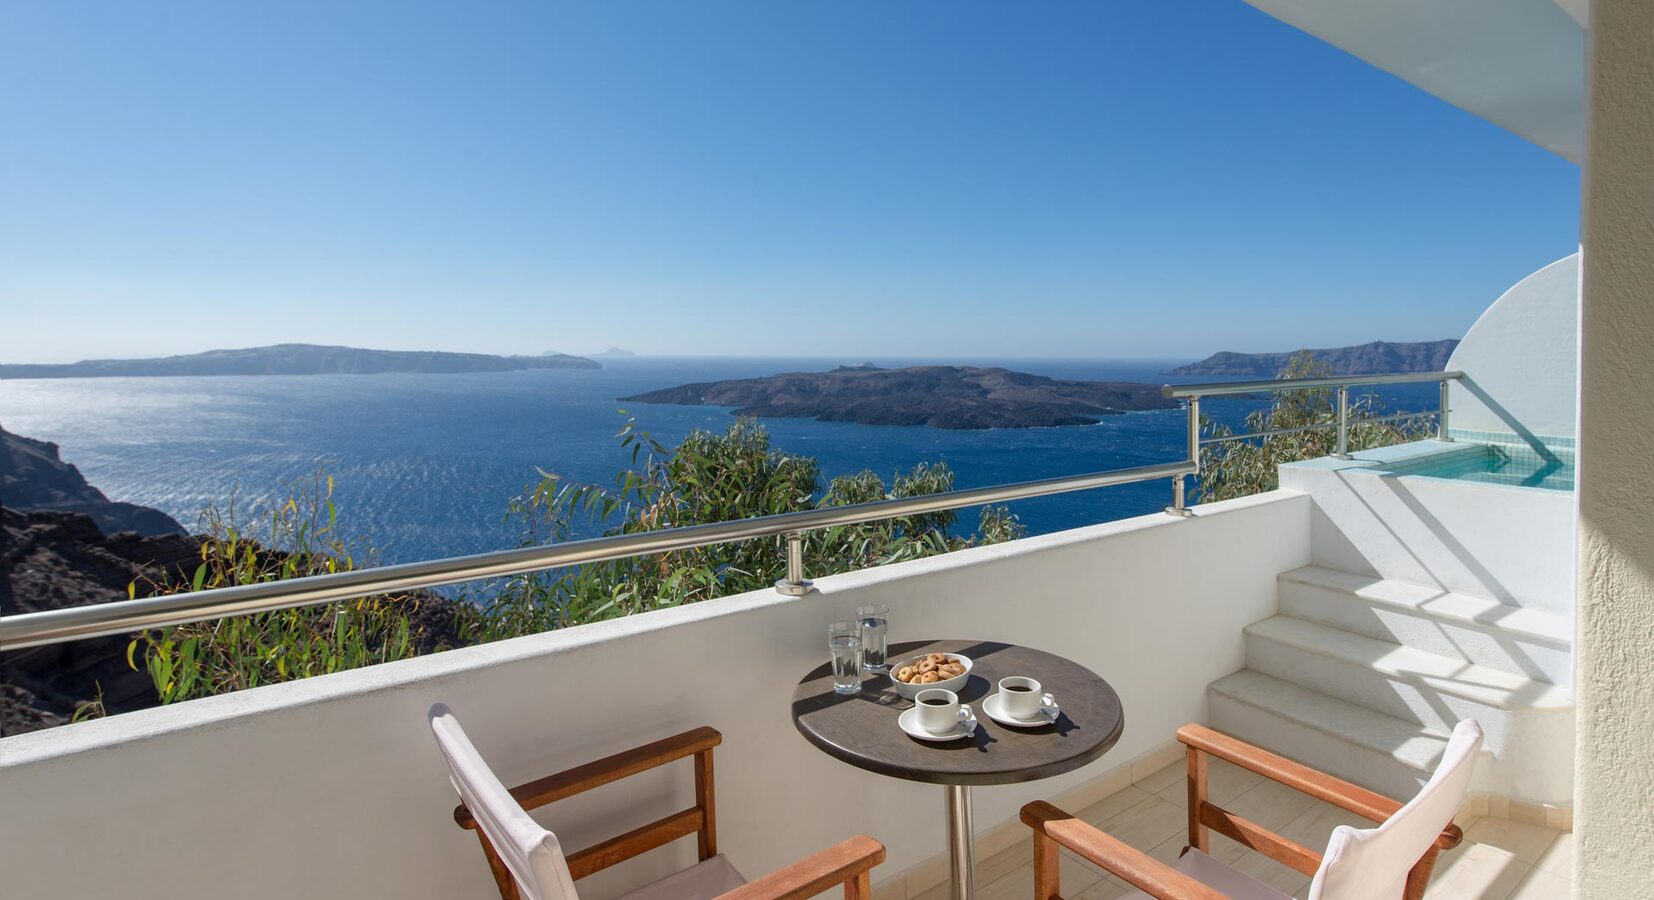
x: 861, y: 729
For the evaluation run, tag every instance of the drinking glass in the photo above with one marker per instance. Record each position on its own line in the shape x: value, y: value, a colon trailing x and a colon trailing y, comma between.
x: 875, y: 625
x: 844, y: 642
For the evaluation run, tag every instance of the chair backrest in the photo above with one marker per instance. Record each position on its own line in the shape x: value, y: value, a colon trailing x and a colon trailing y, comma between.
x: 1372, y: 863
x: 529, y: 851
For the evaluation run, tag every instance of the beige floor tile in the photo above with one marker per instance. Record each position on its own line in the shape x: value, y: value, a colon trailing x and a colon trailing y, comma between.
x: 1224, y: 782
x: 1526, y: 842
x: 1113, y: 804
x: 1481, y: 872
x: 894, y: 889
x: 1018, y: 884
x: 1107, y: 889
x: 992, y: 868
x: 1314, y: 826
x: 1164, y: 778
x: 995, y: 881
x: 1223, y: 849
x: 1558, y: 858
x: 1542, y: 885
x: 1146, y: 824
x: 1076, y: 875
x: 1271, y: 804
x: 937, y: 892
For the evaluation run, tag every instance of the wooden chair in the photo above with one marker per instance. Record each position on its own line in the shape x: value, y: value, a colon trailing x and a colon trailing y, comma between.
x: 528, y: 862
x: 1390, y: 862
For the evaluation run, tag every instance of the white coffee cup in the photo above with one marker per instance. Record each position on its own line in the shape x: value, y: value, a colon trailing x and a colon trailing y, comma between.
x: 1020, y: 697
x: 939, y: 711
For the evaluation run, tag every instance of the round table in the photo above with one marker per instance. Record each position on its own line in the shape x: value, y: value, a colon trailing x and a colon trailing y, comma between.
x: 861, y: 729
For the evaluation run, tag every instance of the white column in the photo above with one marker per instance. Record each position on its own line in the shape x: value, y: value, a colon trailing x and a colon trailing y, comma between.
x: 1614, y: 812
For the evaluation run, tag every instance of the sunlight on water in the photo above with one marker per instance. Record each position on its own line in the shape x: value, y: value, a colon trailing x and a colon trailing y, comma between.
x: 425, y: 464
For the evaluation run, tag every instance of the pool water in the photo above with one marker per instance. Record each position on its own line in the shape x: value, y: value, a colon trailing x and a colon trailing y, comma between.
x: 1508, y: 464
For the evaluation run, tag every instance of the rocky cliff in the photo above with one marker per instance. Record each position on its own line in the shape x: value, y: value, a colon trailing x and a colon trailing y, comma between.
x: 32, y: 476
x: 74, y: 547
x: 53, y: 560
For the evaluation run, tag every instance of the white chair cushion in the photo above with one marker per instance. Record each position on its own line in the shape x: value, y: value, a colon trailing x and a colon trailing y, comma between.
x: 529, y: 851
x: 1372, y: 863
x: 1219, y: 877
x: 701, y: 881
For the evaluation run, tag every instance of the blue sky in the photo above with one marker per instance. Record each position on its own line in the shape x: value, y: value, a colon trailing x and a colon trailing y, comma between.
x: 1068, y: 179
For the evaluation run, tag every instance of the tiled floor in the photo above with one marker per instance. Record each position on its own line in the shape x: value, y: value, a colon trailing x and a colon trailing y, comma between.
x: 1499, y: 860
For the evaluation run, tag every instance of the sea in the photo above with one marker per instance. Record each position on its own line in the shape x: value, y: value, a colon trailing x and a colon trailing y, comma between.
x: 425, y: 465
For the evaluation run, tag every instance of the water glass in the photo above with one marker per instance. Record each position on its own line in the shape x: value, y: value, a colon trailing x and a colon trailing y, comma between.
x: 875, y: 625
x: 844, y: 642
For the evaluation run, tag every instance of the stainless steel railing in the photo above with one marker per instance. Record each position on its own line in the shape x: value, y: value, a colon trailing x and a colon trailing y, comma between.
x: 1191, y: 394
x: 126, y: 616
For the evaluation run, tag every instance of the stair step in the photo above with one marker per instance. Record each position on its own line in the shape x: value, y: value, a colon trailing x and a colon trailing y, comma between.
x: 1379, y: 752
x: 1465, y: 627
x: 1423, y: 687
x: 1450, y: 676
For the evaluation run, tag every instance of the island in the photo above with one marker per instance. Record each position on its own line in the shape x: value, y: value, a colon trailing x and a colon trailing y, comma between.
x: 297, y: 359
x: 1376, y: 358
x: 950, y: 397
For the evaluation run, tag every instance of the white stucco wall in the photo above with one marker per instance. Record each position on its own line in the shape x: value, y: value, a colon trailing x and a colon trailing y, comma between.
x: 1512, y: 544
x: 1521, y: 358
x: 332, y: 787
x: 1615, y: 674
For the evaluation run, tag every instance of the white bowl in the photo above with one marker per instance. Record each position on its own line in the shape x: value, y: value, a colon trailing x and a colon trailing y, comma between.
x: 909, y: 691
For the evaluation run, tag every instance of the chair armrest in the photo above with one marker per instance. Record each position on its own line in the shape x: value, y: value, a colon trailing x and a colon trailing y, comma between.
x: 810, y: 876
x: 1302, y: 778
x: 1113, y: 855
x: 582, y: 778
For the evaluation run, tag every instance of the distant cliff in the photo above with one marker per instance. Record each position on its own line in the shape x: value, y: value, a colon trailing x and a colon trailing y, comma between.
x: 298, y: 359
x: 64, y: 544
x: 1376, y: 358
x: 33, y: 477
x: 952, y: 397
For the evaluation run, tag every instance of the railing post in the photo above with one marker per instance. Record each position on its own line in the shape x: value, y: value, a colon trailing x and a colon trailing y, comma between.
x: 1194, y: 431
x: 795, y: 584
x: 1343, y: 451
x: 1442, y: 434
x: 1178, y: 507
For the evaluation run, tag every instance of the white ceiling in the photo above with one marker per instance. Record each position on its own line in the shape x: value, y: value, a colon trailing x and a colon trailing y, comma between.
x: 1517, y: 63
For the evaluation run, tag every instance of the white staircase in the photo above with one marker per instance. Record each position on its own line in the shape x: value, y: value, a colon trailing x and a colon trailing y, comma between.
x: 1364, y: 677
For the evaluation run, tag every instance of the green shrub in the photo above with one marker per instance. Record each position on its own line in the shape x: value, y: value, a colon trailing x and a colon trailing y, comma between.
x: 230, y: 654
x: 1242, y: 467
x: 708, y: 477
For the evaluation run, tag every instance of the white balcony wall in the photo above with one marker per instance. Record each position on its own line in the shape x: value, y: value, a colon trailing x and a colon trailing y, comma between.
x: 1513, y: 544
x: 331, y: 787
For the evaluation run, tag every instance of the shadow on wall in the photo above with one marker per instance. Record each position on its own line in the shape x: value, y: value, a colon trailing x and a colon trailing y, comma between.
x: 1510, y: 421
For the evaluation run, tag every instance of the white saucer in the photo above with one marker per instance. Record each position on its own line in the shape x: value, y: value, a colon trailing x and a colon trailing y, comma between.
x: 909, y: 721
x: 1048, y: 713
